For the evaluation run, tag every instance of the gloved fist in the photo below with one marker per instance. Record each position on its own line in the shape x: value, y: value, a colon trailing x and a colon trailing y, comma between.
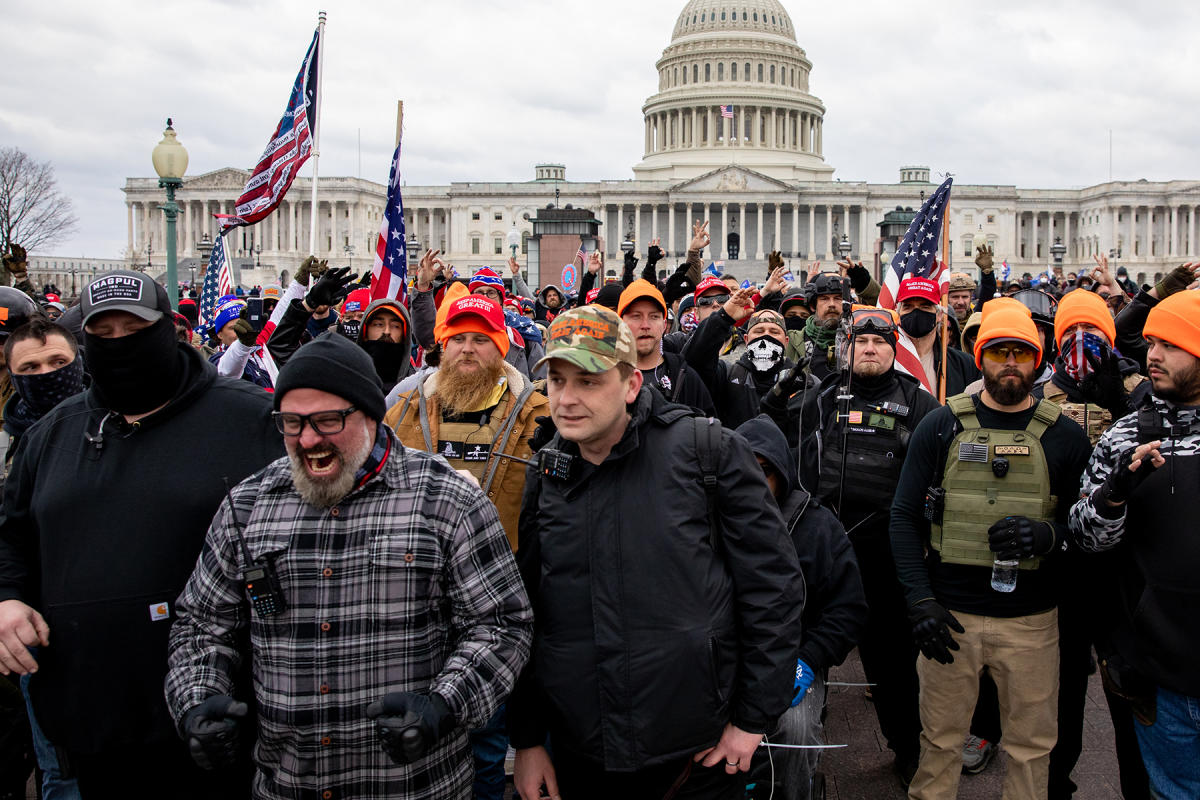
x: 774, y: 261
x: 1104, y: 385
x: 654, y: 255
x: 330, y: 288
x: 804, y: 679
x: 631, y: 260
x: 792, y: 380
x: 409, y: 723
x: 860, y: 277
x: 545, y: 431
x: 931, y: 630
x: 244, y: 330
x: 983, y: 257
x: 211, y: 731
x: 1020, y: 537
x: 1174, y: 281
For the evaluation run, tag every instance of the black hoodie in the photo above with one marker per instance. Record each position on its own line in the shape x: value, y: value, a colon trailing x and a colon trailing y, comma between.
x: 835, y: 606
x: 101, y: 529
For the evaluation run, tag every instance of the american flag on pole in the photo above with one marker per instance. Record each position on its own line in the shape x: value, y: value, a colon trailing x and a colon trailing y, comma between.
x: 727, y: 111
x: 289, y: 148
x: 218, y: 282
x: 389, y: 275
x: 581, y: 255
x: 917, y: 258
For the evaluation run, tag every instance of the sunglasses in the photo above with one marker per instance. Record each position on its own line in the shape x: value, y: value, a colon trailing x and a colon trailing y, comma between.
x: 713, y: 300
x: 1001, y: 353
x: 866, y: 320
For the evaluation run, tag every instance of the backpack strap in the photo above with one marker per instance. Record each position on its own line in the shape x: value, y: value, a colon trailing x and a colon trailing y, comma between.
x: 964, y: 408
x: 1046, y: 414
x: 708, y: 449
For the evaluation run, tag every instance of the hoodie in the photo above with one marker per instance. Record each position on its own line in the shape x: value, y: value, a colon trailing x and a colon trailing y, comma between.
x: 835, y: 605
x: 543, y: 313
x: 393, y: 361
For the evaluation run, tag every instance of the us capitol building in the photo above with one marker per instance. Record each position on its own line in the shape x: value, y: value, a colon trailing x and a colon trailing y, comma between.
x: 758, y: 174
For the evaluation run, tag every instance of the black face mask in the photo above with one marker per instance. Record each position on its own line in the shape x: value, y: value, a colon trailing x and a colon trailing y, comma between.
x: 136, y: 373
x: 43, y: 392
x: 794, y: 323
x: 388, y: 357
x: 350, y: 328
x: 918, y: 323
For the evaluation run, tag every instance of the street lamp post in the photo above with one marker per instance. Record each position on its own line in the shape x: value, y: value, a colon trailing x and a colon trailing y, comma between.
x: 349, y: 251
x: 1058, y: 250
x: 514, y: 240
x: 414, y: 251
x: 844, y: 247
x: 257, y: 255
x: 170, y: 162
x: 149, y: 250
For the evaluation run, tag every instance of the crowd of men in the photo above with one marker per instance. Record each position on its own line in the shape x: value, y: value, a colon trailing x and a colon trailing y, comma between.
x: 324, y: 545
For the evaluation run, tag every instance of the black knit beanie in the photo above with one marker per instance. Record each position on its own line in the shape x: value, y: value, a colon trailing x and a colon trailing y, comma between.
x: 609, y: 295
x: 334, y: 364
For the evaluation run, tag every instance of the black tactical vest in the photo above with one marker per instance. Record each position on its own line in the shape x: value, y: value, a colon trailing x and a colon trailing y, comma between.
x: 877, y: 434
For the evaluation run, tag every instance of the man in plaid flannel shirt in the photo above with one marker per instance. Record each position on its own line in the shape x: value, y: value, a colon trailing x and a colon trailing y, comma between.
x: 400, y: 621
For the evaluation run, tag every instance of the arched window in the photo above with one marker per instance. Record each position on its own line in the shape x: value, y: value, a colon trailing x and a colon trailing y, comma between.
x: 695, y: 73
x: 744, y: 16
x: 707, y: 73
x: 675, y: 77
x: 722, y: 16
x: 747, y: 73
x: 721, y: 71
x: 756, y: 16
x: 733, y: 71
x: 760, y: 71
x: 685, y: 76
x: 793, y: 77
x: 702, y: 18
x: 772, y: 73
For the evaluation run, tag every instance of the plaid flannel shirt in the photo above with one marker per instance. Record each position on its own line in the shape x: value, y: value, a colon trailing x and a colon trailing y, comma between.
x: 408, y: 584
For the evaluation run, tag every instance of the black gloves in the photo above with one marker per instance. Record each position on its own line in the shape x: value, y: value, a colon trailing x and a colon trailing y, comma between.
x: 330, y: 288
x: 211, y: 731
x: 1121, y: 483
x: 859, y: 277
x: 409, y: 723
x: 1020, y: 537
x: 310, y: 268
x: 244, y: 330
x: 931, y: 629
x: 543, y: 434
x: 1174, y: 281
x: 1105, y: 386
x: 791, y: 380
x: 653, y: 255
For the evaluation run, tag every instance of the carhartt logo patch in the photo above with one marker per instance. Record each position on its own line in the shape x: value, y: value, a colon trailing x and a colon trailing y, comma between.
x: 160, y: 611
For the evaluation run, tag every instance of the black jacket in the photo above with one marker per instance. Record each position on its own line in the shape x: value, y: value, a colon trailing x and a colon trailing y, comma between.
x: 679, y: 383
x: 1130, y: 323
x: 97, y: 535
x: 736, y: 398
x: 646, y: 641
x: 835, y: 605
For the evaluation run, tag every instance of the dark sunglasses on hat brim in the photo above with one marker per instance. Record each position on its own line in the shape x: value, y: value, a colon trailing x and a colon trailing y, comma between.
x: 713, y: 300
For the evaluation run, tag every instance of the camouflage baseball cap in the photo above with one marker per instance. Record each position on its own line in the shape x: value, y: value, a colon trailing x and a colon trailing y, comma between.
x: 592, y: 338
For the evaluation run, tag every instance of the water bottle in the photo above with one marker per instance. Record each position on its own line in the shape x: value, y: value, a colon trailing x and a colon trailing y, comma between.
x: 1004, y: 574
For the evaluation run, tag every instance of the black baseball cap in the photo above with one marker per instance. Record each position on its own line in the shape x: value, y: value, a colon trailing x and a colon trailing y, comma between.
x: 125, y: 290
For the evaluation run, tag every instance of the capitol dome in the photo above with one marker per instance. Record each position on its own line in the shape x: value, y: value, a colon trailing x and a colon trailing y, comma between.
x: 739, y: 53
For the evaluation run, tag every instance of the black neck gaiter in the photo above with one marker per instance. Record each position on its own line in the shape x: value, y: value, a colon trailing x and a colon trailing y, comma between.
x: 388, y: 357
x: 44, y: 391
x: 136, y: 373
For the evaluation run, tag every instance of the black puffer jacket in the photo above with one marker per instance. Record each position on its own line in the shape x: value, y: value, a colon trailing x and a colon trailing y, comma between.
x: 646, y: 641
x: 101, y: 536
x: 736, y: 391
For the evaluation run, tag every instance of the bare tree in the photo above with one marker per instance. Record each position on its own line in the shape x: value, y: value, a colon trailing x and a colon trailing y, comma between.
x: 33, y: 213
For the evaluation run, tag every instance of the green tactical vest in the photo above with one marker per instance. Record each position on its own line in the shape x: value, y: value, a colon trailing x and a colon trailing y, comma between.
x: 976, y: 498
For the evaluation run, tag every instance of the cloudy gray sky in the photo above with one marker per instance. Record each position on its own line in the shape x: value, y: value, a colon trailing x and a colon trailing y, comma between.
x: 1022, y: 92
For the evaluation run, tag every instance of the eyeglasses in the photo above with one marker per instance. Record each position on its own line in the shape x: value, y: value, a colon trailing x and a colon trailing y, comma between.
x: 713, y: 300
x: 1000, y: 354
x: 325, y: 423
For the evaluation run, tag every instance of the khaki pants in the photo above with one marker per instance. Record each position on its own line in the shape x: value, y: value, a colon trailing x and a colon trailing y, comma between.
x: 1022, y: 655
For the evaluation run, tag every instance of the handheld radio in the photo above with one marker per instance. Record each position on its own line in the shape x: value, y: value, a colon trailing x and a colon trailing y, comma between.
x: 258, y: 575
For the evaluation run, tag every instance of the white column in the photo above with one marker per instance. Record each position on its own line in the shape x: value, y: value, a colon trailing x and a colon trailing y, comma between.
x: 741, y: 231
x: 1149, y: 248
x: 1171, y: 238
x: 862, y: 233
x: 637, y: 225
x: 811, y: 250
x: 695, y: 126
x: 670, y: 248
x: 846, y: 222
x: 1191, y: 237
x: 773, y: 139
x: 828, y: 231
x: 758, y: 252
x: 1037, y: 235
x: 653, y: 223
x: 778, y: 227
x: 795, y: 230
x: 719, y: 239
x: 129, y: 224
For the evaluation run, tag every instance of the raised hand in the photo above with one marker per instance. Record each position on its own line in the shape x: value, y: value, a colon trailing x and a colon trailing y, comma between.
x: 700, y: 237
x: 595, y: 262
x: 775, y: 282
x: 983, y: 257
x: 425, y: 270
x: 739, y: 305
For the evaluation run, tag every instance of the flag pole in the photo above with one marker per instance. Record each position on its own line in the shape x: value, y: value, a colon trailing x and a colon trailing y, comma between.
x: 316, y: 131
x: 945, y: 246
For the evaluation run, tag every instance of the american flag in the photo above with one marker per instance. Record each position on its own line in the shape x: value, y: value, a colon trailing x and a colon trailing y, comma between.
x: 917, y: 257
x: 727, y: 111
x: 289, y: 148
x: 389, y: 275
x: 582, y: 256
x: 218, y: 282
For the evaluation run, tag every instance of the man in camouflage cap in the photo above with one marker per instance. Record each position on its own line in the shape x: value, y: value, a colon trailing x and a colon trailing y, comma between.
x: 666, y: 643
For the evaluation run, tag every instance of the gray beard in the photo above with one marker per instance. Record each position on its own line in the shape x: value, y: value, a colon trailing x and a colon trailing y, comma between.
x: 329, y: 492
